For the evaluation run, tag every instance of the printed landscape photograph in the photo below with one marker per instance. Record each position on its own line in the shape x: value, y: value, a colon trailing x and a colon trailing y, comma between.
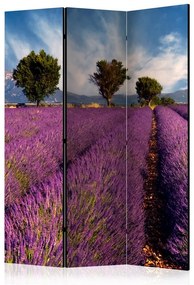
x: 109, y: 165
x: 33, y: 137
x: 127, y: 137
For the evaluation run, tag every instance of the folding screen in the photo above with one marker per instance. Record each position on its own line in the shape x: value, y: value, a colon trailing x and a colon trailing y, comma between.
x: 118, y: 194
x: 33, y: 137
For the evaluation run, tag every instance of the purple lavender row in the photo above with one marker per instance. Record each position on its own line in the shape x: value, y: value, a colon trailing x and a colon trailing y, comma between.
x: 96, y: 189
x: 32, y: 156
x: 173, y: 183
x: 139, y: 130
x: 86, y: 126
x: 181, y: 110
x: 33, y: 226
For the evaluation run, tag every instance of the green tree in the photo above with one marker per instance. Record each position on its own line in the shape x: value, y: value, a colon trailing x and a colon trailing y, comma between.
x: 38, y: 75
x: 155, y: 101
x: 147, y: 88
x: 110, y: 76
x: 165, y: 101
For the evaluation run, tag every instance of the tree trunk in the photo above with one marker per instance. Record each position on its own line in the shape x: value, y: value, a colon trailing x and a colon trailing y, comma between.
x: 149, y: 103
x: 37, y: 103
x: 108, y: 102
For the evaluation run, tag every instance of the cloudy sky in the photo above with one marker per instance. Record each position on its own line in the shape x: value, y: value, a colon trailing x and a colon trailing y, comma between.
x: 156, y: 47
x: 92, y: 35
x: 33, y: 30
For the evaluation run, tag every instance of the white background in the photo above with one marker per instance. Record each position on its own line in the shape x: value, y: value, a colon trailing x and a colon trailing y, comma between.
x: 23, y: 274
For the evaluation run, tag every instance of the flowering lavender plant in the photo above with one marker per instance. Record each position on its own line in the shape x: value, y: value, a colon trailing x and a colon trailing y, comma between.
x: 33, y: 186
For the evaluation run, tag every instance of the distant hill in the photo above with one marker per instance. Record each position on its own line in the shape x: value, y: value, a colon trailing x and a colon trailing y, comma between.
x: 180, y: 96
x: 14, y: 94
x: 119, y: 99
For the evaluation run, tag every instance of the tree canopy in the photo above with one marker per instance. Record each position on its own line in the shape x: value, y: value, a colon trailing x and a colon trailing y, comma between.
x: 109, y: 77
x: 165, y: 101
x: 38, y: 75
x: 147, y: 88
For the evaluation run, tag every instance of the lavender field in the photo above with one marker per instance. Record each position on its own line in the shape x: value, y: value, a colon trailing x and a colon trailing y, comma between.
x: 33, y: 186
x: 110, y: 185
x: 96, y: 187
x: 127, y: 175
x: 181, y: 110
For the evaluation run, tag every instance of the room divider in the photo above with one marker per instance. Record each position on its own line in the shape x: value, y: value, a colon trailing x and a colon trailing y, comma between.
x: 96, y: 137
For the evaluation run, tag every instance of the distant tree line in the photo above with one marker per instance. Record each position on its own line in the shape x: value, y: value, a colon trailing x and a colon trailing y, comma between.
x: 38, y: 75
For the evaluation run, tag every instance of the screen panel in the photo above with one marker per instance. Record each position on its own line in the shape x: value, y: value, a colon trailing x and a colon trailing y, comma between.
x: 33, y: 137
x: 157, y: 131
x: 96, y: 138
